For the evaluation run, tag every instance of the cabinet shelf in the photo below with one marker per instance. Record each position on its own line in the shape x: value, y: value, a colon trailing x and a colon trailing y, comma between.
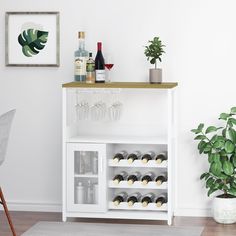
x: 137, y: 185
x: 138, y: 163
x: 137, y: 206
x: 118, y: 139
x: 85, y: 176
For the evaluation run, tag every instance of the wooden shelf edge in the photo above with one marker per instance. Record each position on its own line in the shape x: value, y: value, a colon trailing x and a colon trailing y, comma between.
x: 135, y: 85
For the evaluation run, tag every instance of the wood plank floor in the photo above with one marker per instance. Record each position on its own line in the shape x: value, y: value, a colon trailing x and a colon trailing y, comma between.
x: 24, y: 220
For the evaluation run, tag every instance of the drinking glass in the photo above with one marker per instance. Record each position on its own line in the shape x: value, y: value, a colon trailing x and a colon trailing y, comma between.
x: 82, y: 110
x: 108, y: 64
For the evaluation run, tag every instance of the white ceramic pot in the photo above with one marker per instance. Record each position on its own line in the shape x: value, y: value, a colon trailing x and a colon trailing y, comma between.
x: 155, y: 76
x: 224, y: 210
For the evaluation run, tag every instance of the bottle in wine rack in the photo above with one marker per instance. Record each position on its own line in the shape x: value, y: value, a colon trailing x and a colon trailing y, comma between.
x: 121, y: 197
x: 135, y: 197
x: 161, y: 199
x: 134, y: 177
x: 161, y: 157
x: 99, y: 65
x: 133, y: 156
x: 160, y: 179
x: 120, y: 156
x: 148, y: 198
x: 120, y: 177
x: 147, y: 178
x: 148, y: 156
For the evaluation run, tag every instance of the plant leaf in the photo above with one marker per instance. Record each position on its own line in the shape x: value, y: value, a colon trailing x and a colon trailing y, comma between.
x: 200, y: 127
x: 211, y: 129
x: 224, y: 116
x: 233, y: 110
x: 210, y: 191
x: 232, y: 191
x: 216, y: 168
x: 232, y: 135
x: 200, y: 136
x: 232, y: 120
x: 32, y: 41
x: 229, y: 146
x: 233, y: 160
x: 228, y: 168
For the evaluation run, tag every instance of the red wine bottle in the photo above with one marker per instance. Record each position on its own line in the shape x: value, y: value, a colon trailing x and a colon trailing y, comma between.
x: 134, y: 177
x: 161, y: 178
x: 147, y: 178
x: 161, y: 157
x: 135, y: 197
x: 99, y: 65
x: 147, y: 156
x: 133, y: 156
x: 120, y: 156
x: 148, y: 198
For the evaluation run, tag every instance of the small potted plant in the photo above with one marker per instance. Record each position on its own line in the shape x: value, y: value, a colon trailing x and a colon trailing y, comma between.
x: 219, y: 145
x: 153, y: 53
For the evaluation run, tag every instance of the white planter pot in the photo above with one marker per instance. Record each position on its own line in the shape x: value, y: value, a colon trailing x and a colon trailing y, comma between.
x: 155, y: 76
x: 224, y: 210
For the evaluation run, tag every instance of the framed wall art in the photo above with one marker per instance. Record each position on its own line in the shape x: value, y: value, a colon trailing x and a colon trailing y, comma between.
x: 32, y: 39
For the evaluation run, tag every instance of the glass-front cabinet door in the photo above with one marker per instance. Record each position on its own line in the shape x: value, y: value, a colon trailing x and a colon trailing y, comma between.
x: 86, y: 177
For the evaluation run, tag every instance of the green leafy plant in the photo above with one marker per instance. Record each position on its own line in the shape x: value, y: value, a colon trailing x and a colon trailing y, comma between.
x: 218, y: 144
x: 32, y: 41
x: 154, y: 50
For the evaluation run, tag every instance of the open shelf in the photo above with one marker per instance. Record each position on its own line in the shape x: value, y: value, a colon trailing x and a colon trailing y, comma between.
x: 118, y: 139
x: 137, y: 206
x: 138, y: 163
x: 137, y: 185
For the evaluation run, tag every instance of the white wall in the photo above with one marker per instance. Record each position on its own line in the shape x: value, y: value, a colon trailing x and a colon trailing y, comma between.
x: 200, y: 44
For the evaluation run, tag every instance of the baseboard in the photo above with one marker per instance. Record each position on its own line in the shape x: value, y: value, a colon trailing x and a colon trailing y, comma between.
x: 57, y: 207
x: 197, y: 212
x: 34, y: 206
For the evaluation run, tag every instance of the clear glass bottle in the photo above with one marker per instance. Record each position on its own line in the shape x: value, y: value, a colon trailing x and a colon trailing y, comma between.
x: 81, y: 56
x: 90, y: 70
x: 90, y: 193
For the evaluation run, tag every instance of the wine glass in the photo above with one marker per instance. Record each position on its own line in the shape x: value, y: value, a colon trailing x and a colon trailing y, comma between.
x: 108, y: 64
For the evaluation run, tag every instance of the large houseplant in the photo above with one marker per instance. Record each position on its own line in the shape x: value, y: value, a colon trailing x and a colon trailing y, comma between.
x: 219, y: 145
x: 153, y: 53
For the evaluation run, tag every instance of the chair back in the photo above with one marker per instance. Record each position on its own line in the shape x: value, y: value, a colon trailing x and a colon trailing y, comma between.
x: 5, y: 126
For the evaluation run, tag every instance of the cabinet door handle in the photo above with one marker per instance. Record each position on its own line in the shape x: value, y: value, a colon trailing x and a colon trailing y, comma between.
x: 101, y: 160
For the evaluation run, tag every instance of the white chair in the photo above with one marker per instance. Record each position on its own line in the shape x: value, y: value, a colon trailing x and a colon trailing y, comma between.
x: 5, y: 126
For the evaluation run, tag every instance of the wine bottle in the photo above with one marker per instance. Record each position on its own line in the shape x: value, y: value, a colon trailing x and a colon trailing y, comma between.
x: 160, y: 179
x: 99, y: 65
x: 148, y: 198
x: 134, y: 177
x: 161, y: 157
x: 133, y: 156
x: 90, y: 69
x: 81, y: 56
x: 161, y: 199
x: 148, y: 156
x: 120, y: 156
x: 147, y: 178
x: 135, y: 197
x: 121, y: 197
x: 120, y: 177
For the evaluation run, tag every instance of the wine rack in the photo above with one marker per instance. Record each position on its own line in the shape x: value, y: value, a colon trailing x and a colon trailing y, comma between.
x: 147, y: 124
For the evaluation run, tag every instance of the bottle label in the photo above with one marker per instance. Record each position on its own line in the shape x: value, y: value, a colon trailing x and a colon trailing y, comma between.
x: 100, y: 75
x: 90, y: 67
x: 80, y: 66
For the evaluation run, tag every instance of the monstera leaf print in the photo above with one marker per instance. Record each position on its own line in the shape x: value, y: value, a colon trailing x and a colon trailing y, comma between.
x: 32, y: 41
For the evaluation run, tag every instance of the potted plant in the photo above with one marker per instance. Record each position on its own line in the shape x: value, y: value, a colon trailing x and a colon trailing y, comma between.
x: 219, y: 145
x: 153, y: 53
